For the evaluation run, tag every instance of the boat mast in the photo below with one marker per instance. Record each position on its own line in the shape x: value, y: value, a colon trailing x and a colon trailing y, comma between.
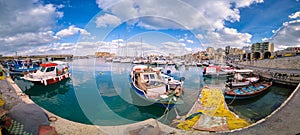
x: 126, y: 41
x: 118, y: 45
x: 142, y: 47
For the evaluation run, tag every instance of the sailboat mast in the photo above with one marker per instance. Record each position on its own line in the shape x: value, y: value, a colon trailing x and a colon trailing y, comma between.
x: 142, y: 47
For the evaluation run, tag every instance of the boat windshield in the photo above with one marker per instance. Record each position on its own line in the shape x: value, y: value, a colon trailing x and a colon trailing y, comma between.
x: 49, y: 69
x: 150, y: 77
x: 42, y: 69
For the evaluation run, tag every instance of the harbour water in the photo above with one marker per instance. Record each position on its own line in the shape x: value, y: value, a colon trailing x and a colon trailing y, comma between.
x: 99, y: 93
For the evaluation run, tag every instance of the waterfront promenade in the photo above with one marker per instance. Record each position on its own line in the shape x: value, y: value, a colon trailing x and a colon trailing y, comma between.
x: 282, y: 70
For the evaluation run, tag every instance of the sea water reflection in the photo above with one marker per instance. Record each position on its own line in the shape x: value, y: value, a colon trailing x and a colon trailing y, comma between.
x: 99, y: 93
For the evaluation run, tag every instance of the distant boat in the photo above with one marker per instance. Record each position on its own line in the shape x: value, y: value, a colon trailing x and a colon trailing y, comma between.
x: 199, y: 64
x: 149, y: 85
x: 247, y: 91
x: 242, y: 77
x: 126, y: 60
x: 157, y: 61
x: 205, y: 64
x: 109, y: 59
x: 20, y: 67
x: 25, y: 68
x: 116, y: 60
x: 49, y: 73
x: 214, y: 71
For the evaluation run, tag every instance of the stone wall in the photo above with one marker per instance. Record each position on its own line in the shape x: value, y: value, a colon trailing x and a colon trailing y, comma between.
x: 280, y: 63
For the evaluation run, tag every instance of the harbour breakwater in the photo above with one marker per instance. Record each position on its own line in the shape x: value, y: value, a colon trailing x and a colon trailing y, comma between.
x: 281, y: 70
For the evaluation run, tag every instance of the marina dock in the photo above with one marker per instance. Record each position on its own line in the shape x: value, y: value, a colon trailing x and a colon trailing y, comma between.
x: 284, y: 120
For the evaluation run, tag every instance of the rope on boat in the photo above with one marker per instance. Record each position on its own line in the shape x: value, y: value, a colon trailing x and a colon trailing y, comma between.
x: 232, y: 100
x: 166, y: 110
x: 177, y: 115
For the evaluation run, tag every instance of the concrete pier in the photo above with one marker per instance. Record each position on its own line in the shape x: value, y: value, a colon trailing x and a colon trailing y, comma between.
x: 281, y: 70
x: 282, y: 76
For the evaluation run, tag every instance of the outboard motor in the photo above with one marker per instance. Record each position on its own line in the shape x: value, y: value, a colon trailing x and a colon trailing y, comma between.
x: 229, y: 80
x: 181, y: 79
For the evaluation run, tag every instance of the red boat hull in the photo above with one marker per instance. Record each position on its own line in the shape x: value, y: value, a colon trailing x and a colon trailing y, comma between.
x: 52, y: 80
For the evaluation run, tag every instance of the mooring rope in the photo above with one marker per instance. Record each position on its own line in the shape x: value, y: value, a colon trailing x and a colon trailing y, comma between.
x: 232, y: 100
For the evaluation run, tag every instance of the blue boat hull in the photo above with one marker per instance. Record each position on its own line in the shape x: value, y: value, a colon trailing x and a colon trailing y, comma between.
x: 24, y: 70
x: 247, y: 91
x: 141, y: 95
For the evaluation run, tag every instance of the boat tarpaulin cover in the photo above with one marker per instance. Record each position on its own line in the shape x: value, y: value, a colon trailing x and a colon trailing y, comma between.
x: 29, y: 115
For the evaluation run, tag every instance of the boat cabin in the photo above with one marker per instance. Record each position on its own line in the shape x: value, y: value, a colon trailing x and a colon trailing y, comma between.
x: 52, y: 69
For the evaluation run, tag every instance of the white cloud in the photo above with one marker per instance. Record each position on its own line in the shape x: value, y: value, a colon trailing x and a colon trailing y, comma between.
x: 227, y: 36
x: 190, y: 41
x: 287, y: 35
x: 107, y: 20
x: 189, y: 49
x: 195, y: 15
x: 181, y: 40
x: 199, y: 36
x: 118, y: 41
x: 72, y: 30
x: 17, y: 17
x: 25, y: 41
x: 104, y: 4
x: 63, y: 48
x: 173, y: 44
x: 245, y: 3
x: 185, y: 39
x: 175, y: 48
x: 26, y: 24
x: 60, y: 14
x: 295, y: 15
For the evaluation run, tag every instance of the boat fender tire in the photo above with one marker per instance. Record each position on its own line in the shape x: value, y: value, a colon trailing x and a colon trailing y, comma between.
x: 45, y: 82
x: 52, y: 118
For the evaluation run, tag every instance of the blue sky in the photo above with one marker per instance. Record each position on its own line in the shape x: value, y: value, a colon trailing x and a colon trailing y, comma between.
x: 166, y: 27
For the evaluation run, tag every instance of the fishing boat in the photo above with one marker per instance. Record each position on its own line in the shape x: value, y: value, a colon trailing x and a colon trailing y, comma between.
x: 242, y: 77
x: 228, y: 69
x: 126, y: 60
x: 25, y: 67
x: 149, y: 85
x: 49, y: 73
x: 214, y: 71
x: 158, y: 61
x: 116, y: 60
x: 247, y: 91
